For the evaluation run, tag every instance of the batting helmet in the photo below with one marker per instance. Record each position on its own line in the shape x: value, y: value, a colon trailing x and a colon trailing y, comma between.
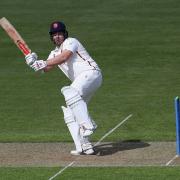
x: 58, y: 26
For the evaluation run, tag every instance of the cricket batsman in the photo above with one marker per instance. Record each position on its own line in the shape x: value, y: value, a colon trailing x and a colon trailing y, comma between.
x: 85, y: 76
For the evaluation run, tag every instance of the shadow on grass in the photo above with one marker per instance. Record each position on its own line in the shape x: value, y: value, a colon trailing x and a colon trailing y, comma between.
x: 111, y: 148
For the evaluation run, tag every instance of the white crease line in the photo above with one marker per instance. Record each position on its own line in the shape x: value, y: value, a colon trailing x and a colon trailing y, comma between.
x: 62, y: 170
x: 107, y: 134
x: 169, y: 162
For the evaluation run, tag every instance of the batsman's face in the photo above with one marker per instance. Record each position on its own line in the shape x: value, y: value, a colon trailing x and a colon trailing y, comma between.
x: 58, y: 38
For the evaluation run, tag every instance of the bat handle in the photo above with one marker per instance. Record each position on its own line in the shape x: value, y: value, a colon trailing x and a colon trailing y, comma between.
x: 26, y: 52
x: 23, y: 48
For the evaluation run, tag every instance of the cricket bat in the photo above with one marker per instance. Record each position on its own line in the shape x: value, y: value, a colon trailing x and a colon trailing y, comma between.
x: 15, y: 36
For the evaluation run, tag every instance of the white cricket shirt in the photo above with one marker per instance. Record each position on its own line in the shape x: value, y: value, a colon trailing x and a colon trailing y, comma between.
x: 79, y: 62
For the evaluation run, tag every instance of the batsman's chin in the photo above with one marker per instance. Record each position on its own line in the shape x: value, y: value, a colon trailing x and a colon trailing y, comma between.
x: 58, y: 43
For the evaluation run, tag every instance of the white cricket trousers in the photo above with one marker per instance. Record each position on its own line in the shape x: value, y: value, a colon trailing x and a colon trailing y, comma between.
x: 87, y: 83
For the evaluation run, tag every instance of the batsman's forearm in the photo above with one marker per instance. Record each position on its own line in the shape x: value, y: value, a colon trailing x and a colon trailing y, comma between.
x: 48, y: 68
x: 55, y: 61
x: 59, y: 59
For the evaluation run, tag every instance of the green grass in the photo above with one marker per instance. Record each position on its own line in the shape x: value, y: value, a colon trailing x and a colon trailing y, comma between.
x: 106, y: 173
x: 135, y: 42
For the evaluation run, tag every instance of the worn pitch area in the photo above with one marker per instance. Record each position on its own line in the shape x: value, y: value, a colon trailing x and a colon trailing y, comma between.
x: 123, y: 153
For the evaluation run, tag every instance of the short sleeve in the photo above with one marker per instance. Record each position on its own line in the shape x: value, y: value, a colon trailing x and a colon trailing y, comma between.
x: 71, y: 45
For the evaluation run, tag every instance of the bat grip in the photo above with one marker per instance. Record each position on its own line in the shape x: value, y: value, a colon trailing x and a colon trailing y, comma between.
x: 23, y: 48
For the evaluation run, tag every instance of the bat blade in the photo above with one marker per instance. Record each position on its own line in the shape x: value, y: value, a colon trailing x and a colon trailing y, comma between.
x: 15, y: 36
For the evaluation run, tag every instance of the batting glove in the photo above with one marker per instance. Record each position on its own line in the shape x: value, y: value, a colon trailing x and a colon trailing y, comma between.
x: 31, y: 58
x: 38, y: 65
